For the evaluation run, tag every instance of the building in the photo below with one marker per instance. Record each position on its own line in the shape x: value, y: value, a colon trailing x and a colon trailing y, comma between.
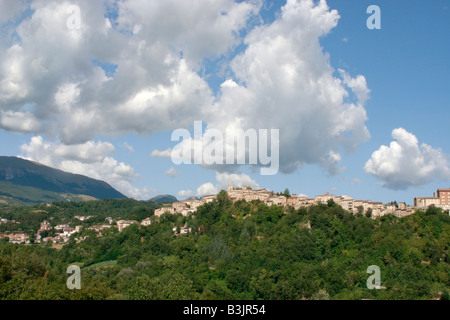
x: 109, y: 220
x: 45, y: 226
x: 183, y: 230
x: 246, y: 193
x: 69, y: 231
x: 208, y: 198
x: 61, y: 227
x: 82, y: 218
x: 122, y: 224
x: 159, y: 212
x: 440, y: 198
x: 390, y: 208
x: 17, y: 238
x: 146, y: 222
x: 277, y: 201
x: 179, y: 206
x: 444, y: 196
x: 425, y: 202
x: 8, y: 221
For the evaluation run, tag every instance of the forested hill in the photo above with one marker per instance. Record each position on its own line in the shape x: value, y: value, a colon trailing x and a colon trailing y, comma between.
x: 33, y: 182
x: 236, y: 251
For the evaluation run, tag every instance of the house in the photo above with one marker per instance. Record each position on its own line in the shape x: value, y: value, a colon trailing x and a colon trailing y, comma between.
x: 278, y: 201
x: 246, y: 193
x: 48, y: 239
x: 159, y: 212
x: 441, y: 200
x: 122, y: 224
x: 82, y: 218
x: 208, y: 198
x: 18, y: 238
x: 109, y: 220
x: 8, y: 221
x: 444, y: 196
x: 183, y: 230
x: 69, y: 231
x: 179, y: 206
x: 61, y: 226
x: 425, y: 202
x: 45, y: 226
x: 146, y: 222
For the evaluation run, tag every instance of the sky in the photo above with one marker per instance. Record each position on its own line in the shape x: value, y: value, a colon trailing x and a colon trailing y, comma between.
x: 101, y: 88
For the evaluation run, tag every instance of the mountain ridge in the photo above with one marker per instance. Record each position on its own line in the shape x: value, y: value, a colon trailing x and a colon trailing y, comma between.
x: 164, y: 198
x: 17, y: 172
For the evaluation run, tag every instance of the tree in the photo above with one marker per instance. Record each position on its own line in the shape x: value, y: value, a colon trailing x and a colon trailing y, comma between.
x: 223, y: 198
x: 170, y: 286
x: 360, y: 210
x: 331, y: 203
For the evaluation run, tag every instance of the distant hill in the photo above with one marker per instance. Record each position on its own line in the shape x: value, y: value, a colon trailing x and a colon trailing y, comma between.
x: 194, y: 198
x: 28, y: 182
x: 164, y: 198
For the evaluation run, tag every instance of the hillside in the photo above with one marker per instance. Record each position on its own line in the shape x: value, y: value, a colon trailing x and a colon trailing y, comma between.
x: 233, y: 251
x: 164, y: 198
x: 27, y: 182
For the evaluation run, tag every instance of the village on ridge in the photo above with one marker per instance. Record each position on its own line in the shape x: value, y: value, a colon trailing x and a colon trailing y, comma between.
x: 440, y: 199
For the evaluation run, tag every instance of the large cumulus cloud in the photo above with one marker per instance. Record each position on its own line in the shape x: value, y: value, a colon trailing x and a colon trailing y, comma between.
x: 283, y: 80
x: 405, y: 163
x: 135, y: 67
x: 155, y: 48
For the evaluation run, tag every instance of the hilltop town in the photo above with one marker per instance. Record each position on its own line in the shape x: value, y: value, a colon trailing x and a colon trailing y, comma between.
x: 374, y: 209
x: 371, y: 209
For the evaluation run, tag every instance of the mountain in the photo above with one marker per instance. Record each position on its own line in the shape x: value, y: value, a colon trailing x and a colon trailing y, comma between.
x: 164, y: 198
x: 194, y: 198
x: 29, y: 182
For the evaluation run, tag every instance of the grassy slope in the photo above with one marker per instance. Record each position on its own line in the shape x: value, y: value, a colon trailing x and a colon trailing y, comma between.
x: 14, y: 194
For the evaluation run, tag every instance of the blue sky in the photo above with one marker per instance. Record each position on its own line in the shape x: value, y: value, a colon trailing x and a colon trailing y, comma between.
x: 99, y: 100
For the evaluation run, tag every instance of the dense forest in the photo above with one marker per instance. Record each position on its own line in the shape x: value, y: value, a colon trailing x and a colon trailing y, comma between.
x: 234, y: 251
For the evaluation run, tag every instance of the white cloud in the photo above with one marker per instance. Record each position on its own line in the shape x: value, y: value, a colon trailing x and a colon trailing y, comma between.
x: 331, y: 161
x: 9, y: 10
x: 92, y: 159
x: 222, y: 181
x: 185, y: 193
x: 171, y: 172
x: 89, y: 152
x: 154, y: 87
x: 207, y: 189
x: 358, y: 86
x: 127, y: 146
x: 404, y: 163
x: 161, y: 154
x: 237, y: 180
x: 67, y: 95
x: 24, y: 122
x: 282, y: 80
